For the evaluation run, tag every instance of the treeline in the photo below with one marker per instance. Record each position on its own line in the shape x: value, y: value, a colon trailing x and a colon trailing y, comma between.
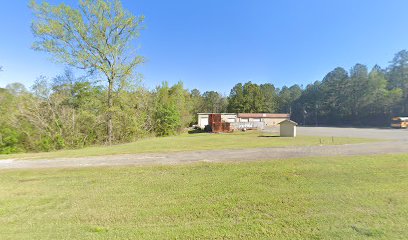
x: 358, y: 97
x: 70, y: 112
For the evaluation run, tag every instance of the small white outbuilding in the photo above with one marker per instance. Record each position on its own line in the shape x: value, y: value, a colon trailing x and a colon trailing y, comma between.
x: 288, y: 128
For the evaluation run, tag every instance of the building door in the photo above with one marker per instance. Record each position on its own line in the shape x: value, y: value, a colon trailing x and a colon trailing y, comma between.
x: 203, y: 122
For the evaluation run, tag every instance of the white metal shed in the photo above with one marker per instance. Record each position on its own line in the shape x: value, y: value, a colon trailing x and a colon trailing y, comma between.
x: 288, y: 128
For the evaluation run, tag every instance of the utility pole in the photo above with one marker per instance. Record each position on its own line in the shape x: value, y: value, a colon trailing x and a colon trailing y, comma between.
x: 304, y: 116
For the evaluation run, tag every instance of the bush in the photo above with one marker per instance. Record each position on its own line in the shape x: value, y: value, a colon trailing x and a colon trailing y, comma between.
x: 9, y: 139
x: 167, y: 120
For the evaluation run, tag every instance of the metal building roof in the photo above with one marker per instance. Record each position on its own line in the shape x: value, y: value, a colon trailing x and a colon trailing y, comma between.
x: 289, y: 121
x: 263, y: 115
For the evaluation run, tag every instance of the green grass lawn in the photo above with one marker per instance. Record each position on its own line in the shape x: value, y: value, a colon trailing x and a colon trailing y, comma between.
x: 314, y: 198
x: 192, y: 142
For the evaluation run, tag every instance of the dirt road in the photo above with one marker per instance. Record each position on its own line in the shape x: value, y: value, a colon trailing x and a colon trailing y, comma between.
x: 397, y: 143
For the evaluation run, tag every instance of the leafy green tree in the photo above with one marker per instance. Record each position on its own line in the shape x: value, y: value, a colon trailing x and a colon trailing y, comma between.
x: 398, y: 77
x: 287, y: 97
x: 16, y: 88
x: 9, y: 140
x: 80, y: 107
x: 334, y: 95
x: 236, y: 99
x: 269, y: 96
x: 310, y: 104
x: 132, y: 117
x: 96, y: 37
x: 252, y: 98
x: 180, y: 97
x: 213, y: 102
x: 197, y: 103
x: 167, y: 119
x: 10, y: 137
x: 380, y: 101
x: 356, y: 91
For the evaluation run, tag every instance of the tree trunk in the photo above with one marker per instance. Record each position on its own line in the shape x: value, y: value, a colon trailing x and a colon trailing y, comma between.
x: 405, y: 104
x: 110, y: 106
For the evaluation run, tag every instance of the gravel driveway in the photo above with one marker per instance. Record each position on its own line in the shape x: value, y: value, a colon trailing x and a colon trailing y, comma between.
x: 397, y: 143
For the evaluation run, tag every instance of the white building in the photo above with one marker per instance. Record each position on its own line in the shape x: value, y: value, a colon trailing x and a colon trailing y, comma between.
x: 225, y: 117
x: 268, y: 119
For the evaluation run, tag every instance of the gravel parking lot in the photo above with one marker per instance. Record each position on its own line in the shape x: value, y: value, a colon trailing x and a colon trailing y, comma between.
x: 375, y: 133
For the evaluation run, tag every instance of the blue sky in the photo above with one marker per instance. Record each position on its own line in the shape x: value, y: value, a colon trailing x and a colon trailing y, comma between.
x: 213, y: 44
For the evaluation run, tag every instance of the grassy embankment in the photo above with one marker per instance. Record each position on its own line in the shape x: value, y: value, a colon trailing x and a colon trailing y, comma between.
x: 192, y: 142
x: 314, y: 198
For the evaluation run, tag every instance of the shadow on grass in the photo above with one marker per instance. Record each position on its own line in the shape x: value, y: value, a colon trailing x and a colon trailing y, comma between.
x: 269, y: 136
x: 196, y: 131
